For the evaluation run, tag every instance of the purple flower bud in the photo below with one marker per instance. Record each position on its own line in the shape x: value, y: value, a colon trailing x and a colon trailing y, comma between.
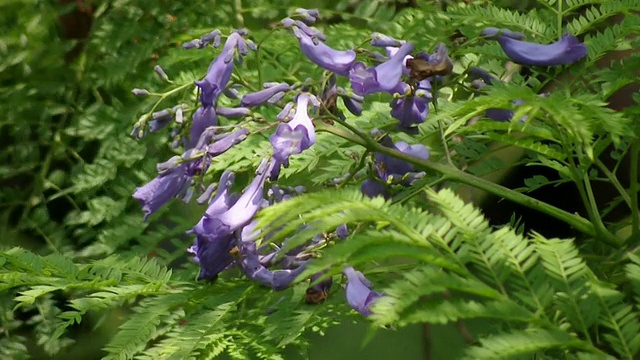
x: 138, y: 132
x: 232, y: 113
x: 478, y: 73
x: 324, y: 56
x: 565, y: 51
x: 310, y: 31
x: 288, y: 22
x: 384, y: 77
x: 168, y: 165
x: 206, y: 195
x: 161, y: 189
x: 193, y: 44
x: 163, y: 75
x: 260, y: 97
x: 220, y: 203
x: 140, y: 92
x: 231, y: 93
x: 342, y: 232
x: 210, y: 36
x: 491, y: 32
x: 225, y: 141
x: 354, y: 107
x: 382, y: 40
x: 309, y: 15
x: 359, y: 293
x: 286, y: 113
x: 160, y: 120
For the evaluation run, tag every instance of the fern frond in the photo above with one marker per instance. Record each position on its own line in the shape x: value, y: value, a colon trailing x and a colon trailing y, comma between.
x: 595, y: 15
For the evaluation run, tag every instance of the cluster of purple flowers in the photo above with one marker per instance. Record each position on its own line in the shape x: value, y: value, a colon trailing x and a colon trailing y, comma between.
x: 226, y: 236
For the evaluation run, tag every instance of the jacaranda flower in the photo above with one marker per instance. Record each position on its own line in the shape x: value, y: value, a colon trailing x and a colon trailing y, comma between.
x: 412, y: 109
x: 157, y: 192
x: 384, y: 77
x: 202, y: 118
x: 359, y: 293
x: 324, y: 56
x: 295, y: 136
x: 565, y: 51
x: 260, y: 97
x: 215, y: 231
x: 388, y: 167
x: 372, y: 188
x: 253, y: 268
x: 219, y: 72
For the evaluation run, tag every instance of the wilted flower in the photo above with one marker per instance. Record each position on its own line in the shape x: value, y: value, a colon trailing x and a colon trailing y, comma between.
x: 359, y: 293
x: 565, y: 51
x: 384, y: 77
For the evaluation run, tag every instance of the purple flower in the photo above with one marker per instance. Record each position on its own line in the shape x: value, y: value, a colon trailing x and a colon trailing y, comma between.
x: 372, y: 188
x: 140, y: 92
x: 220, y: 203
x: 253, y: 268
x: 203, y: 118
x: 565, y: 51
x: 324, y: 56
x: 157, y: 192
x: 342, y: 231
x: 260, y: 97
x: 413, y: 109
x: 309, y: 15
x: 295, y: 136
x: 359, y: 293
x: 384, y: 77
x: 479, y: 73
x: 382, y: 40
x: 231, y: 113
x: 388, y: 167
x: 219, y: 72
x: 215, y: 231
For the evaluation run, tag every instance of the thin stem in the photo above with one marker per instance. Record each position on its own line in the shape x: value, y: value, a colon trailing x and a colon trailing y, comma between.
x: 614, y: 180
x: 633, y: 189
x: 559, y: 17
x: 579, y: 223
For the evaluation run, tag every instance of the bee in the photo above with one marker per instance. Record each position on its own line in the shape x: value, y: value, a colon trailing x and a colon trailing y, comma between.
x: 422, y: 69
x: 315, y: 296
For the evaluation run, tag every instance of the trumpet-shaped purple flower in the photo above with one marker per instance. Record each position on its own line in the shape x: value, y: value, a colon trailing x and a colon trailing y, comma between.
x: 232, y: 113
x: 324, y: 56
x: 359, y: 293
x: 219, y: 72
x: 295, y: 136
x: 413, y: 109
x: 565, y: 51
x: 215, y: 231
x: 157, y: 192
x: 256, y: 271
x: 260, y: 97
x: 384, y: 77
x: 203, y: 117
x: 388, y: 167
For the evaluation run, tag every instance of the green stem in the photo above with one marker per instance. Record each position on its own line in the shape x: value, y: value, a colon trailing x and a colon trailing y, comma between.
x: 614, y: 180
x: 633, y: 189
x: 559, y: 18
x: 579, y: 223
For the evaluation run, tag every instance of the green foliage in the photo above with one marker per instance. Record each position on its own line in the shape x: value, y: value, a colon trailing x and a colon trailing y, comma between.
x: 76, y: 253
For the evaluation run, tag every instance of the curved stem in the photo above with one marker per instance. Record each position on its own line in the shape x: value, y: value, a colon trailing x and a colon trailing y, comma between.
x: 579, y: 223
